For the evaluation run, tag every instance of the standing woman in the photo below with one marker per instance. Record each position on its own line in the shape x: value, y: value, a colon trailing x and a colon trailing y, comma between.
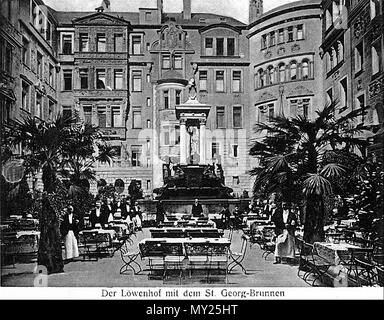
x: 69, y: 231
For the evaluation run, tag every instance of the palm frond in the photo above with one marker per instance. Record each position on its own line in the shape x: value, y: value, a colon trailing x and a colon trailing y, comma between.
x: 316, y: 184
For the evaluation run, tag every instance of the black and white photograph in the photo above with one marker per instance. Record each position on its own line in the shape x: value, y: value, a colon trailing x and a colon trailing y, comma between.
x: 192, y: 150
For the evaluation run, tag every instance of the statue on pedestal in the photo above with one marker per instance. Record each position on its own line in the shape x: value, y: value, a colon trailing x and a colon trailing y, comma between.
x: 192, y: 89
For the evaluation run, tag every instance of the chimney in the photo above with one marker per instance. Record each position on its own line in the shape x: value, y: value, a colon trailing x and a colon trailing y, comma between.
x: 160, y: 10
x: 187, y: 10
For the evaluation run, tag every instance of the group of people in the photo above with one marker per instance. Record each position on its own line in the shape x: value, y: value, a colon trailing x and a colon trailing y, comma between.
x: 119, y: 209
x: 100, y: 216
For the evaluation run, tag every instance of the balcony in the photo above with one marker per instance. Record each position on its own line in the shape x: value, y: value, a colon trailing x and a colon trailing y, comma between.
x: 112, y: 133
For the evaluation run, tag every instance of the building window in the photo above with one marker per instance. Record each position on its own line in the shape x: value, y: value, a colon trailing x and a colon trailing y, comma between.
x: 271, y: 112
x: 209, y: 46
x: 67, y: 44
x: 100, y: 79
x: 236, y: 81
x: 264, y: 41
x: 203, y: 77
x: 149, y: 186
x: 148, y: 16
x: 136, y: 80
x: 116, y: 116
x: 136, y: 119
x: 261, y: 78
x: 359, y: 57
x: 178, y: 62
x: 118, y: 79
x: 340, y: 51
x: 231, y: 46
x: 166, y: 62
x: 219, y: 81
x: 136, y: 45
x: 178, y: 97
x: 299, y: 107
x: 101, y: 42
x: 166, y: 136
x: 67, y: 112
x: 235, y: 180
x: 51, y: 109
x: 118, y: 42
x: 344, y: 93
x: 83, y: 78
x: 148, y: 78
x: 39, y: 65
x: 235, y: 151
x: 300, y: 32
x: 374, y: 8
x: 329, y: 96
x: 376, y: 54
x: 290, y: 34
x: 293, y: 70
x: 272, y: 39
x: 305, y: 70
x: 148, y: 124
x: 102, y: 116
x: 219, y: 46
x: 148, y: 102
x: 328, y: 19
x: 25, y: 103
x: 26, y: 52
x: 38, y: 106
x: 215, y: 150
x: 282, y: 73
x: 281, y: 36
x: 166, y: 99
x: 360, y: 103
x: 51, y: 75
x: 270, y: 75
x: 220, y: 117
x: 237, y: 117
x: 87, y: 110
x: 136, y: 155
x: 67, y: 75
x: 83, y: 42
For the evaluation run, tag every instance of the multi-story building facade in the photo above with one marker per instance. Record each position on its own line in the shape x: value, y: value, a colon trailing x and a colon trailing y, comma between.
x: 126, y: 72
x: 286, y: 68
x: 366, y: 25
x: 10, y: 45
x: 29, y: 67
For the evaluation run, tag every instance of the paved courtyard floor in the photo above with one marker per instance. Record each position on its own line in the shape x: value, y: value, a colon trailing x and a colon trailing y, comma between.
x: 105, y: 272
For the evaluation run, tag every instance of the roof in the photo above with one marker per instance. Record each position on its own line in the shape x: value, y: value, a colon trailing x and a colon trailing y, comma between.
x: 66, y: 17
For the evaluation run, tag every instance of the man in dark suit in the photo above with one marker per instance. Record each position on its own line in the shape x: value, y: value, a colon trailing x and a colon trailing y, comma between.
x: 197, y: 209
x: 285, y: 225
x: 98, y: 216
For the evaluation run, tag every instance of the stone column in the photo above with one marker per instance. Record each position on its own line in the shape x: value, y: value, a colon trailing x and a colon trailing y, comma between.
x: 183, y: 142
x: 203, y: 147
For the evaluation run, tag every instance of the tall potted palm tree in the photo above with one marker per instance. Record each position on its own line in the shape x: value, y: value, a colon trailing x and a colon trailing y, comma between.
x: 47, y: 148
x: 301, y: 158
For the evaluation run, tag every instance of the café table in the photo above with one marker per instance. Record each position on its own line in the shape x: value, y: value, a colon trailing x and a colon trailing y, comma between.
x: 334, y: 253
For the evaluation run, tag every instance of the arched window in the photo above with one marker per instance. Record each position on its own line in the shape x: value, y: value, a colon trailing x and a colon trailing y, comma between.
x: 305, y: 69
x: 293, y: 70
x: 271, y: 75
x: 261, y: 78
x: 282, y: 72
